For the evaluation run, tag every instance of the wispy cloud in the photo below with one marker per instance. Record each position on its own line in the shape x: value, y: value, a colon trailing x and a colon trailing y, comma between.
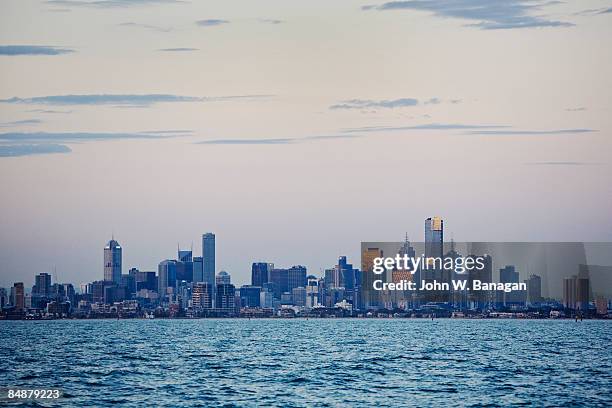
x: 146, y: 27
x: 369, y: 103
x: 25, y: 122
x: 175, y: 132
x: 247, y: 141
x: 179, y: 49
x: 531, y: 132
x: 562, y: 163
x: 110, y: 3
x: 144, y: 100
x: 598, y: 11
x: 67, y: 137
x: 386, y: 103
x: 427, y: 126
x: 270, y: 21
x: 14, y: 144
x: 578, y: 109
x: 211, y: 22
x: 277, y: 141
x: 16, y: 50
x: 486, y: 14
x: 32, y: 149
x: 49, y: 111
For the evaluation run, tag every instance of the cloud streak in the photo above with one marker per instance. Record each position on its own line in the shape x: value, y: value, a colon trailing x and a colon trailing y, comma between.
x: 32, y: 149
x: 485, y: 14
x: 531, y: 132
x: 111, y: 3
x: 146, y: 27
x: 18, y: 50
x: 179, y: 49
x: 270, y: 21
x: 25, y: 122
x: 369, y: 103
x: 248, y: 141
x: 427, y: 126
x: 386, y: 103
x: 211, y: 22
x: 144, y: 100
x: 561, y: 163
x: 80, y: 136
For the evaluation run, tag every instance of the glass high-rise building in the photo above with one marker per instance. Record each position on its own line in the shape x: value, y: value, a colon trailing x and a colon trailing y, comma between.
x: 42, y: 284
x: 296, y: 277
x: 208, y: 258
x: 260, y: 273
x: 184, y: 270
x: 225, y: 299
x: 166, y: 276
x: 198, y: 273
x: 112, y: 262
x: 223, y: 278
x: 434, y: 237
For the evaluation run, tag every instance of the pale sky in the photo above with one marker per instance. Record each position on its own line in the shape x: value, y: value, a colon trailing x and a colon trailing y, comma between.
x: 296, y: 130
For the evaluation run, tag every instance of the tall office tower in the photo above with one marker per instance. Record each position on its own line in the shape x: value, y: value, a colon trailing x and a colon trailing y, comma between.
x: 69, y: 293
x: 112, y: 262
x: 509, y: 275
x: 144, y: 279
x: 250, y: 296
x: 3, y: 298
x: 279, y: 280
x: 370, y: 298
x: 481, y: 299
x: 296, y: 277
x: 208, y: 257
x: 312, y: 292
x: 42, y: 284
x: 202, y: 295
x: 260, y: 273
x: 576, y: 291
x: 534, y: 289
x: 198, y: 273
x: 225, y: 299
x: 223, y: 278
x: 434, y: 237
x: 298, y: 296
x: 184, y: 271
x: 166, y: 276
x: 266, y: 298
x: 18, y: 296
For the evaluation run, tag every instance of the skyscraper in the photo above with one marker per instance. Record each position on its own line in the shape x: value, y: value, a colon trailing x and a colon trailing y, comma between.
x: 112, y: 262
x: 534, y: 289
x: 370, y: 297
x: 208, y: 257
x: 18, y: 296
x: 250, y: 296
x: 184, y: 270
x: 434, y: 237
x: 260, y: 273
x: 225, y: 300
x: 42, y: 284
x: 166, y: 276
x: 296, y: 277
x: 279, y: 280
x: 198, y: 273
x: 223, y: 278
x: 434, y: 248
x: 202, y: 296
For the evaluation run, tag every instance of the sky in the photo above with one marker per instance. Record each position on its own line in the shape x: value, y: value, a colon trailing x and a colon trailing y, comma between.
x: 296, y: 130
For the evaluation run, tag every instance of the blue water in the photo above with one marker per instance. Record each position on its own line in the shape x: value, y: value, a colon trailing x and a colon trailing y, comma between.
x: 317, y: 362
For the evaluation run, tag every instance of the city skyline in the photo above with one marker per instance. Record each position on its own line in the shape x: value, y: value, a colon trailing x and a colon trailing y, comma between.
x: 296, y: 131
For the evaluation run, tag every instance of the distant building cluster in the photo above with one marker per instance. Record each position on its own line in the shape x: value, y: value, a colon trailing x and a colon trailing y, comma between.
x: 189, y: 286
